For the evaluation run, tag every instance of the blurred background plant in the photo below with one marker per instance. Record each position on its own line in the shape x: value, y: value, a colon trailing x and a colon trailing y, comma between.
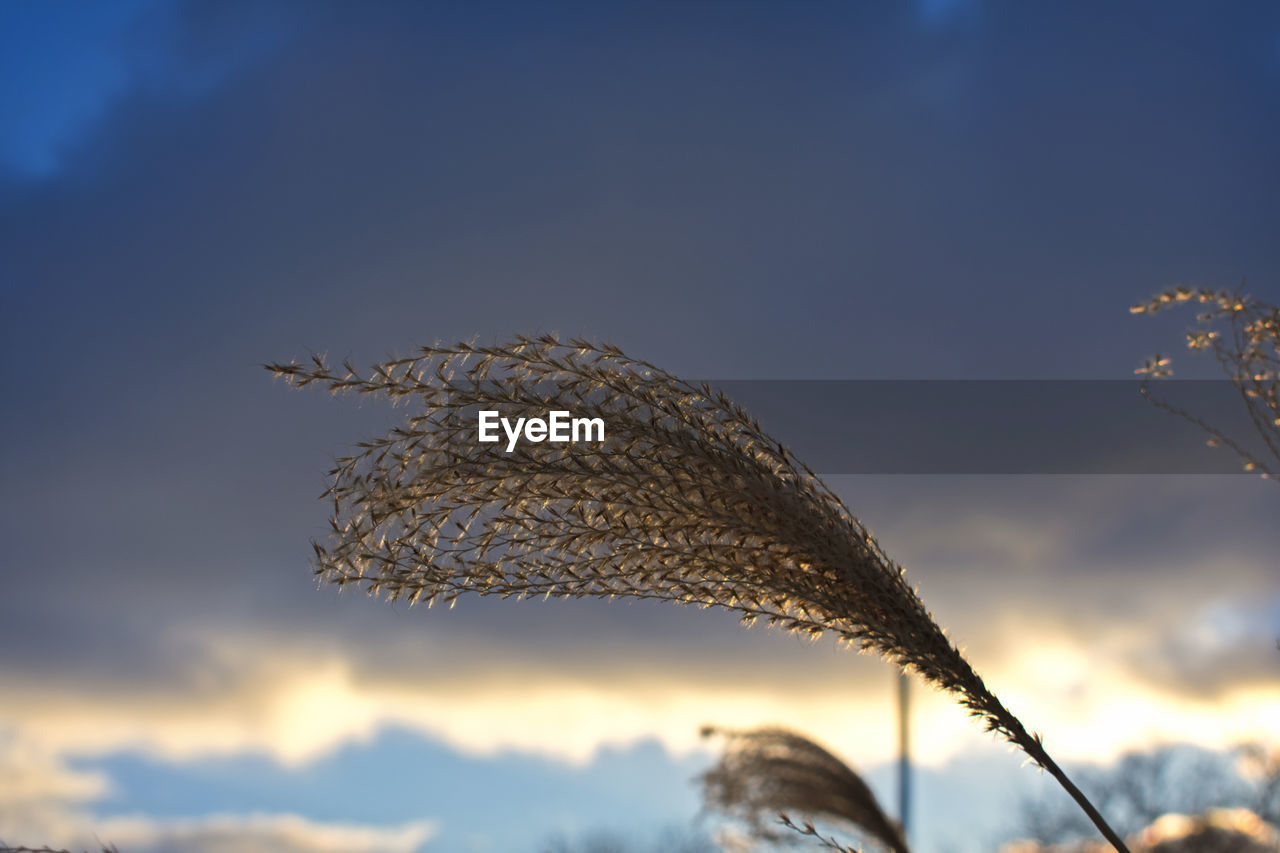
x: 765, y: 776
x: 1243, y: 335
x: 673, y: 839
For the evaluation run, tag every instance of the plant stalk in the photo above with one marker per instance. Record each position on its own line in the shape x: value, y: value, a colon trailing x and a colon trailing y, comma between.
x: 1038, y: 754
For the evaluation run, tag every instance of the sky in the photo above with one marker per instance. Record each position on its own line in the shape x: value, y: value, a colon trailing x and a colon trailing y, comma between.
x: 941, y: 190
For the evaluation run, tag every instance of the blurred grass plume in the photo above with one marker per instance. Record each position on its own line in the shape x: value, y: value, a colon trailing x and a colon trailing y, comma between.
x: 765, y: 775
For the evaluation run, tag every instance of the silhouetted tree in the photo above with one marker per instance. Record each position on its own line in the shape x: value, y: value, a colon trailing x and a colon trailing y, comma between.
x: 1144, y: 786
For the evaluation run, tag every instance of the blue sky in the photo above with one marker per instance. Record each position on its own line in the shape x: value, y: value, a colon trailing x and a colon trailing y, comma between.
x: 940, y: 190
x: 71, y: 64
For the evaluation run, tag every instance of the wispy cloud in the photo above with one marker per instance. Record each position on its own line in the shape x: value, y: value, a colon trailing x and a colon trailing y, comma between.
x: 262, y: 833
x: 45, y: 800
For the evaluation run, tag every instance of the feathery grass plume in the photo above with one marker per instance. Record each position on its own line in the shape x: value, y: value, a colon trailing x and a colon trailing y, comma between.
x: 1249, y: 355
x: 768, y: 772
x: 688, y: 500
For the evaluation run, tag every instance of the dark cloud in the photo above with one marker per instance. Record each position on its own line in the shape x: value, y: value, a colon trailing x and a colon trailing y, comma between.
x: 1170, y: 579
x: 722, y: 192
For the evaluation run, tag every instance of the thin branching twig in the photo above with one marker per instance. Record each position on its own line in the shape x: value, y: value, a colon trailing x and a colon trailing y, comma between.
x: 1243, y: 335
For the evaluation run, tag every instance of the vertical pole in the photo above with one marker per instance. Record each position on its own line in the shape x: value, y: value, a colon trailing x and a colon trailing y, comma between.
x: 904, y: 752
